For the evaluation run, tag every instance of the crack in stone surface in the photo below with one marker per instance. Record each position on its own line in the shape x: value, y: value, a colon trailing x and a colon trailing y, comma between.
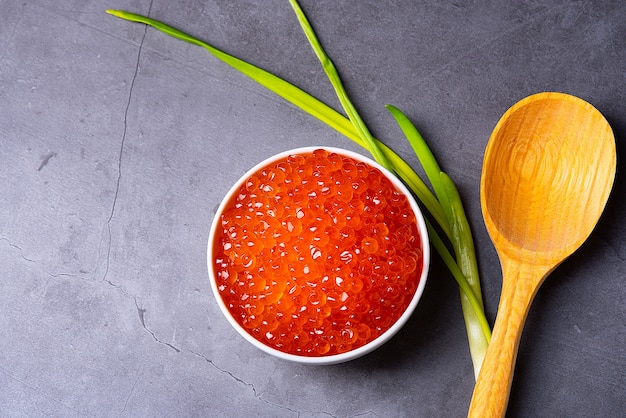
x: 132, y: 389
x: 107, y: 227
x: 257, y: 395
x: 142, y: 318
x: 226, y: 372
x: 57, y: 275
x: 120, y: 288
x: 17, y: 247
x: 30, y: 260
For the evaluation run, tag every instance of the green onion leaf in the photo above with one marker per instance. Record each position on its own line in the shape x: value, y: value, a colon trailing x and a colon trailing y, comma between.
x: 460, y: 236
x: 477, y: 329
x: 466, y: 289
x: 335, y: 80
x: 424, y: 155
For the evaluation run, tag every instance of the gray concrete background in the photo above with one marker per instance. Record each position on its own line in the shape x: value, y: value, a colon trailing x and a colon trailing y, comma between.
x: 117, y: 144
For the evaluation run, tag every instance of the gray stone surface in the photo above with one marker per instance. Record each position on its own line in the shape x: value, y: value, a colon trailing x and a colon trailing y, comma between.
x: 117, y: 144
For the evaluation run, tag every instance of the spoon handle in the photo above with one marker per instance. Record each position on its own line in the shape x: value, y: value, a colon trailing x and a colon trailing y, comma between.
x: 491, y: 394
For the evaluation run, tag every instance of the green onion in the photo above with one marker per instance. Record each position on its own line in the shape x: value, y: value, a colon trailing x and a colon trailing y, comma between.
x: 445, y: 208
x: 477, y: 328
x: 333, y: 76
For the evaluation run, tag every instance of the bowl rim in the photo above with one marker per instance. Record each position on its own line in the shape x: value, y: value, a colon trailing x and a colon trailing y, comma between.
x: 370, y: 346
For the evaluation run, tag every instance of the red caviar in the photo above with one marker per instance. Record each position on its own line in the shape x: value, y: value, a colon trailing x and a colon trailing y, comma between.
x: 318, y: 254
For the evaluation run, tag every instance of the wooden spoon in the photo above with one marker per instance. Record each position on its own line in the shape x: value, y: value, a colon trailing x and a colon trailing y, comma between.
x: 548, y: 170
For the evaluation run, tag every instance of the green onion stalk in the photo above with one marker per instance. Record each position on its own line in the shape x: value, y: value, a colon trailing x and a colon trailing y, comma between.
x: 443, y: 203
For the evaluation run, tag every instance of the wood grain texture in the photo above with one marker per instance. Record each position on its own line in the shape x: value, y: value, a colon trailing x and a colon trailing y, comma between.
x: 547, y: 173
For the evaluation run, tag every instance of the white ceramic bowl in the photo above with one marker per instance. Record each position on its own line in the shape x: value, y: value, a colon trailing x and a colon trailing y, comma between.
x: 357, y: 352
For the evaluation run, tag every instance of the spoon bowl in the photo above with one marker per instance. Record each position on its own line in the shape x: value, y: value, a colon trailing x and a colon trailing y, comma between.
x: 548, y: 170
